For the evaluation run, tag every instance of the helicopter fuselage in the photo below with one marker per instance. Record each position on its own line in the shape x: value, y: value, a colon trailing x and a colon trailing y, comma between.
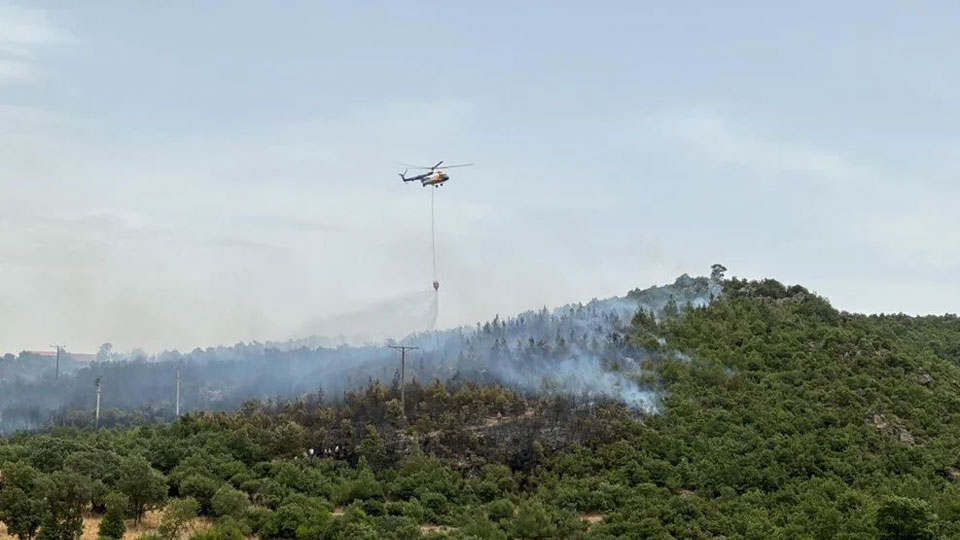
x: 437, y: 178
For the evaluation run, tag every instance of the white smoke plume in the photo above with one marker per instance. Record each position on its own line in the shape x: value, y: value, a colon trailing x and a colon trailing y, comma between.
x: 393, y: 318
x: 577, y: 350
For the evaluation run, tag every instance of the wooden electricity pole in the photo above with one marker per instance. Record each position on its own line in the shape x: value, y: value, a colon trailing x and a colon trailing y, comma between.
x: 178, y: 389
x: 403, y: 372
x: 59, y: 348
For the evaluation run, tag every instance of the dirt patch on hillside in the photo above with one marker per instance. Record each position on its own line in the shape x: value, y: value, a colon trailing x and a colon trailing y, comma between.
x: 438, y: 529
x: 592, y: 519
x: 892, y: 427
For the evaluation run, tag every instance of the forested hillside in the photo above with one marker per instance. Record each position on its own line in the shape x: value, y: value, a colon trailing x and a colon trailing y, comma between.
x: 574, y: 347
x: 776, y: 416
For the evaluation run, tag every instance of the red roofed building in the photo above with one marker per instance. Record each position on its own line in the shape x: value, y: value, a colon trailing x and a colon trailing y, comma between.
x: 76, y: 357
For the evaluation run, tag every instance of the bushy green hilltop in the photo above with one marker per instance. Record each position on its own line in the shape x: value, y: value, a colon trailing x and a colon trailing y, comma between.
x: 779, y: 417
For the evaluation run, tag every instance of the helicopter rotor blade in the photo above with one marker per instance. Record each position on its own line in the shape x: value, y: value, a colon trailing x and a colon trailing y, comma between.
x: 437, y: 166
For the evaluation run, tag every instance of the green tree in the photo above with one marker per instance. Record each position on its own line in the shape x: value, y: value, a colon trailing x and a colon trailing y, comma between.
x: 355, y: 525
x: 143, y: 486
x: 98, y: 494
x: 21, y: 506
x: 365, y: 486
x: 112, y: 525
x: 95, y: 464
x: 902, y: 518
x: 48, y: 453
x: 287, y: 440
x: 285, y: 522
x: 202, y: 489
x: 66, y: 494
x: 476, y: 525
x: 21, y: 512
x: 717, y: 271
x: 500, y: 509
x: 229, y: 502
x: 222, y: 531
x: 177, y: 517
x: 373, y: 448
x: 394, y: 414
x: 359, y: 531
x: 533, y: 522
x: 671, y: 310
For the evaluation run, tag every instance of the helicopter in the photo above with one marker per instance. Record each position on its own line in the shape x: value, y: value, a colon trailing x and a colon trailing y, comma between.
x: 435, y: 176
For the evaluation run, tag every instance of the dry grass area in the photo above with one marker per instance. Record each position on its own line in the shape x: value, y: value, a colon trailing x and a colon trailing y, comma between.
x: 430, y: 529
x: 592, y: 519
x: 149, y: 524
x: 151, y: 521
x: 486, y: 423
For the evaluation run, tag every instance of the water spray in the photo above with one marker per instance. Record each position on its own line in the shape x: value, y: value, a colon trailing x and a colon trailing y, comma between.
x: 433, y: 238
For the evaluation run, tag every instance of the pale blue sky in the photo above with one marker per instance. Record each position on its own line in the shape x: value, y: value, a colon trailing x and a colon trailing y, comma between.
x: 176, y: 174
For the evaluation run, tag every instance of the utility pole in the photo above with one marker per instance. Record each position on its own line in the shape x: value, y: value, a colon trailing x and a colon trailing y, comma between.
x: 59, y: 348
x: 178, y: 389
x: 97, y: 422
x: 403, y: 367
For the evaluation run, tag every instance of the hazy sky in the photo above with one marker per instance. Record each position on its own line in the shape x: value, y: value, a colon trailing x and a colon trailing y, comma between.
x: 180, y: 174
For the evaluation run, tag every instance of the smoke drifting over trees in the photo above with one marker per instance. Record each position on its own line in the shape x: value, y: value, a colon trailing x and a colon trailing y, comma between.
x: 399, y: 316
x: 579, y: 349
